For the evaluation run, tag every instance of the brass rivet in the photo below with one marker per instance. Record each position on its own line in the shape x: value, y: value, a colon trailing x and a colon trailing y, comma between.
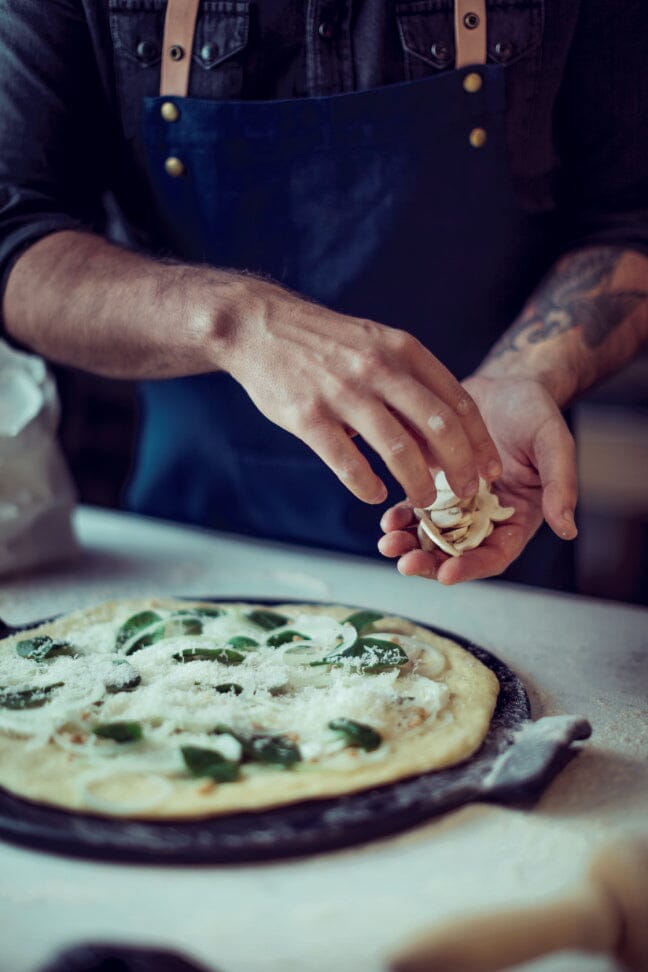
x: 477, y: 137
x: 170, y: 112
x: 472, y: 82
x: 471, y: 20
x: 174, y: 167
x: 176, y: 53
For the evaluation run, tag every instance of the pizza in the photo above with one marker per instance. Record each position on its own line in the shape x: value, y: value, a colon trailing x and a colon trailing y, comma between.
x: 176, y: 709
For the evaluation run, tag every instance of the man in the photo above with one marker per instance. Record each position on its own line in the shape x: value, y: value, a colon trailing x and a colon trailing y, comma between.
x: 384, y: 187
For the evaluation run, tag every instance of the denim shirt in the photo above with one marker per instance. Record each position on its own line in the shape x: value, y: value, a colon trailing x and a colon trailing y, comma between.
x: 73, y: 74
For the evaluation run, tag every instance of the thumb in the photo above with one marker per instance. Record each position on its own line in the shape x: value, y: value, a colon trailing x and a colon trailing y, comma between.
x: 555, y: 455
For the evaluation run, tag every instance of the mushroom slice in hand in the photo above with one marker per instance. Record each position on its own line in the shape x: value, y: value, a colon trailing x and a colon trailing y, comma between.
x: 453, y: 524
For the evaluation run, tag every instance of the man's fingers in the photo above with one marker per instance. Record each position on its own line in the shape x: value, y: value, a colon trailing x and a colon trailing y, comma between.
x: 497, y: 552
x: 421, y: 563
x: 441, y: 430
x: 434, y: 375
x: 454, y: 431
x: 396, y: 543
x: 399, y: 450
x: 506, y: 542
x: 336, y: 449
x: 555, y: 455
x: 397, y: 517
x: 487, y: 458
x: 492, y: 558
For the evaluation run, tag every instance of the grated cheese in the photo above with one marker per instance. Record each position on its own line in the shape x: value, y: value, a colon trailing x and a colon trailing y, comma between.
x: 177, y: 703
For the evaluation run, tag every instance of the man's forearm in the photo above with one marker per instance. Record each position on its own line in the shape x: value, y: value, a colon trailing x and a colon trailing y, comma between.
x: 76, y: 299
x: 79, y: 300
x: 585, y: 320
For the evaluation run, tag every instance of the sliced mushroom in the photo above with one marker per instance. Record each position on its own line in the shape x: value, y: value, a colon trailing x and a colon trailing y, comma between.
x: 453, y: 524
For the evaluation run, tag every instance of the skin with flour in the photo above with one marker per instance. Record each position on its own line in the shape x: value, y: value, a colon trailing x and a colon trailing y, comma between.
x: 402, y: 701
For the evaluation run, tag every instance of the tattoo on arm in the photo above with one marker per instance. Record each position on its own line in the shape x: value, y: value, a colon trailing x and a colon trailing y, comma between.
x: 575, y: 295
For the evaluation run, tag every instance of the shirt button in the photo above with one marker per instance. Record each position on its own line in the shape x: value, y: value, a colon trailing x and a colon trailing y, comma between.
x: 174, y: 167
x: 504, y: 50
x: 209, y: 52
x: 441, y: 52
x: 146, y: 50
x: 169, y: 111
x: 326, y: 30
x: 472, y: 82
x: 477, y: 137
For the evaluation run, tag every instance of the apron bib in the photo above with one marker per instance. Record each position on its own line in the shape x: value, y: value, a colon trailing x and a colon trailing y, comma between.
x: 394, y: 204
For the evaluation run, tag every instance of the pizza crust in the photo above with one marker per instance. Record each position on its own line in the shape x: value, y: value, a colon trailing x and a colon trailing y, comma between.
x: 50, y: 775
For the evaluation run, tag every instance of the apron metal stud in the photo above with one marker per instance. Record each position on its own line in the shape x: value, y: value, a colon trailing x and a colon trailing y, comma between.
x: 174, y: 167
x: 477, y: 137
x: 171, y: 112
x: 176, y: 53
x: 472, y: 82
x: 471, y: 20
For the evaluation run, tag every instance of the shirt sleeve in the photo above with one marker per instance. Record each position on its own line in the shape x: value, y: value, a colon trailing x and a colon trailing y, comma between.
x: 53, y: 122
x: 602, y: 128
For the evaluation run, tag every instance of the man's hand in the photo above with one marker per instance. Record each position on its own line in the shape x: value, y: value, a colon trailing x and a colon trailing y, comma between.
x: 325, y: 376
x: 539, y: 479
x: 320, y: 375
x: 586, y: 318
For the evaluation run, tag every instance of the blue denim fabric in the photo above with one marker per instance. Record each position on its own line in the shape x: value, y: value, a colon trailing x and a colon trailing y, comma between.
x: 351, y: 202
x: 73, y: 75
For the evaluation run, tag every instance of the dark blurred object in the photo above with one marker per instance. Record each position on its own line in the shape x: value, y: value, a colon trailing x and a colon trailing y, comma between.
x: 612, y: 434
x: 97, y: 433
x: 120, y: 958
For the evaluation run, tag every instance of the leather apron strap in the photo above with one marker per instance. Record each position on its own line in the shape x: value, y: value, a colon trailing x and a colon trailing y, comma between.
x: 470, y: 32
x: 180, y: 27
x: 177, y: 46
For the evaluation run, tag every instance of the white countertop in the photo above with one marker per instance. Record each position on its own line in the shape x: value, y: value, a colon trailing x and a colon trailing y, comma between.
x: 347, y: 910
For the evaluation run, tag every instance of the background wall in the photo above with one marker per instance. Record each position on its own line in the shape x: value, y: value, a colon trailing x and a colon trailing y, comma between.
x: 612, y: 435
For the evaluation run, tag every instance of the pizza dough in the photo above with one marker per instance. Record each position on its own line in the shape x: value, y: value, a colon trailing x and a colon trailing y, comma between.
x: 169, y: 709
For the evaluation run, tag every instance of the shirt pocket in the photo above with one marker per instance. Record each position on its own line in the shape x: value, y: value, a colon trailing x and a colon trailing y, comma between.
x: 137, y: 30
x: 426, y: 30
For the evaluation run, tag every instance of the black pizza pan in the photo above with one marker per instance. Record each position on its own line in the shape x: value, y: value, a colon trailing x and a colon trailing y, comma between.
x: 516, y: 761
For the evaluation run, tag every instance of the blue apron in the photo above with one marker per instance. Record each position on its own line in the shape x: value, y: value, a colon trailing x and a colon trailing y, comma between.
x: 394, y: 204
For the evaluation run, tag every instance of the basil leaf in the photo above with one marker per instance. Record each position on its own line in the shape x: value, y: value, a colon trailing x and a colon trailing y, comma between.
x: 134, y: 624
x: 125, y: 678
x: 226, y: 656
x: 379, y: 655
x: 121, y: 732
x: 363, y: 620
x: 274, y: 641
x: 271, y: 749
x: 146, y: 640
x: 264, y: 748
x: 357, y: 733
x: 242, y: 641
x: 179, y: 625
x: 209, y: 762
x: 267, y: 619
x: 174, y: 627
x: 221, y: 729
x: 225, y: 687
x: 202, y: 612
x: 32, y: 698
x: 42, y: 647
x: 373, y: 655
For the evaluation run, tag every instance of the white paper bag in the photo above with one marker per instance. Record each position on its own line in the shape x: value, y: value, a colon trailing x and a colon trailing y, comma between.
x: 36, y: 492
